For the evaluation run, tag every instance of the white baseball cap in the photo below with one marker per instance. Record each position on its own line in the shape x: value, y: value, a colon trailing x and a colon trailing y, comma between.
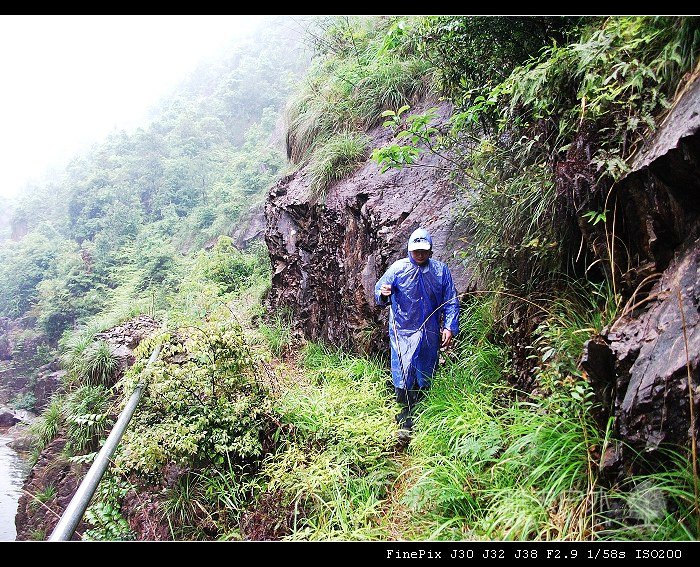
x: 420, y: 240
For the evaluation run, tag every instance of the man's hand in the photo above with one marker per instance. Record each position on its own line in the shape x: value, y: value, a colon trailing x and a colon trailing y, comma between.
x: 446, y: 338
x: 385, y: 290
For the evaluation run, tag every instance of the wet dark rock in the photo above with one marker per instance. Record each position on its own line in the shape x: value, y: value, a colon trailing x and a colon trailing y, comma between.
x: 659, y: 206
x: 657, y: 355
x: 7, y: 417
x: 10, y: 417
x: 598, y: 363
x: 645, y: 369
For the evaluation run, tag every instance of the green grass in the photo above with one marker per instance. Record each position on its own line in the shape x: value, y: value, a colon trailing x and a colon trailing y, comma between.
x: 277, y: 333
x: 48, y: 425
x: 489, y: 466
x: 42, y: 497
x: 339, y: 156
x: 336, y: 468
x: 488, y: 471
x: 74, y: 349
x: 545, y: 463
x: 352, y: 91
x: 101, y: 364
x: 38, y: 535
x: 182, y: 507
x: 46, y: 494
x: 483, y: 463
x: 207, y: 502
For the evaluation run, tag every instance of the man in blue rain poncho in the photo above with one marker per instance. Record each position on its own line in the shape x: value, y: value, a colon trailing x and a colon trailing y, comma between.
x: 423, y: 316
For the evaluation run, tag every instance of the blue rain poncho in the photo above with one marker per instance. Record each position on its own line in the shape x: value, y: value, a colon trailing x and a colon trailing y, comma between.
x: 422, y: 298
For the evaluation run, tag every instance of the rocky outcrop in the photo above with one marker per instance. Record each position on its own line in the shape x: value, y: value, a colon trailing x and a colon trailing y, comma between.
x: 645, y: 368
x: 47, y: 492
x: 327, y: 253
x: 655, y: 370
x: 250, y: 228
x: 659, y: 209
x: 124, y: 338
x: 35, y: 384
x: 48, y: 380
x: 23, y: 374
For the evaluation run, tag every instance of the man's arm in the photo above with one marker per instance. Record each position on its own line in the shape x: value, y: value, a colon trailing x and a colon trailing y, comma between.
x: 450, y: 308
x: 383, y: 288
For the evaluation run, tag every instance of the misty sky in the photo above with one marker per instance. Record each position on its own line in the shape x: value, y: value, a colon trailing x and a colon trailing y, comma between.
x: 67, y: 81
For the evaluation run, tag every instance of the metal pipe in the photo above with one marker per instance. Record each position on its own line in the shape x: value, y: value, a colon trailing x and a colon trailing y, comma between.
x: 74, y: 511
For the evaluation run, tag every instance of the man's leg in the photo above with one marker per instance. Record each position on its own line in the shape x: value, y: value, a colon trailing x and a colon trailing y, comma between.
x: 403, y: 417
x: 408, y: 400
x: 403, y: 400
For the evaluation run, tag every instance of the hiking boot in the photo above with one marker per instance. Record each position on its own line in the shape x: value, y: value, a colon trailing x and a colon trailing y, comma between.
x: 401, y: 416
x: 404, y: 437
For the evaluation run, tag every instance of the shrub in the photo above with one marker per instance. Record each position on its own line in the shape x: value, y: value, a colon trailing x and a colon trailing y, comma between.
x: 202, y: 409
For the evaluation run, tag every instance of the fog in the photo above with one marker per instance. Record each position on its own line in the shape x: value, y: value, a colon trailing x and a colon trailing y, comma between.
x: 67, y: 81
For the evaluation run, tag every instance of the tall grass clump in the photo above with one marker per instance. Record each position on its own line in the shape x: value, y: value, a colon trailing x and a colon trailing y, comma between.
x: 87, y: 418
x: 46, y: 428
x: 337, y: 157
x: 546, y: 477
x: 101, y: 364
x: 356, y: 75
x: 547, y: 483
x: 207, y: 503
x: 278, y: 333
x: 87, y: 360
x: 74, y: 348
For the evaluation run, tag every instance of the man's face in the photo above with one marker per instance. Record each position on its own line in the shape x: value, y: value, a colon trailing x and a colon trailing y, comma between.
x: 420, y: 257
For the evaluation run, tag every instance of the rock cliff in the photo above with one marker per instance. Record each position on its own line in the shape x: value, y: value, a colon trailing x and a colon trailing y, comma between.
x: 646, y: 366
x: 327, y: 254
